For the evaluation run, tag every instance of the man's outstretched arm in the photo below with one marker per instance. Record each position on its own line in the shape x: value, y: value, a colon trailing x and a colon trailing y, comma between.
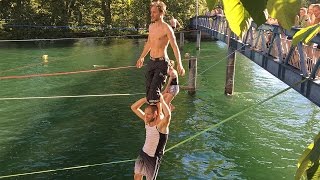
x: 145, y: 51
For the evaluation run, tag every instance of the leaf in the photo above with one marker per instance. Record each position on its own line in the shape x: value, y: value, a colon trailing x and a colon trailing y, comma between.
x: 314, y: 32
x: 309, y: 161
x: 305, y: 34
x: 316, y: 175
x: 237, y: 16
x: 211, y: 4
x: 284, y: 11
x: 303, y: 163
x: 129, y: 2
x: 256, y: 10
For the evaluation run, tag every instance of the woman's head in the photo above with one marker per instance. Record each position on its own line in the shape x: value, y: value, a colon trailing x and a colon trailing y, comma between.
x: 150, y: 113
x: 303, y: 11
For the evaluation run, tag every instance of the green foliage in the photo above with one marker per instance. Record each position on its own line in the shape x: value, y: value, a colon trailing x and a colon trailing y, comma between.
x: 238, y: 12
x: 103, y: 16
x: 237, y: 16
x: 256, y: 10
x: 211, y: 4
x: 306, y: 34
x: 308, y: 164
x: 284, y: 11
x: 183, y: 10
x: 133, y: 13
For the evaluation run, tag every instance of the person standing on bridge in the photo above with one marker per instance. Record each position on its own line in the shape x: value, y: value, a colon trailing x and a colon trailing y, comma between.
x: 302, y: 20
x: 316, y: 12
x: 174, y: 23
x: 160, y: 35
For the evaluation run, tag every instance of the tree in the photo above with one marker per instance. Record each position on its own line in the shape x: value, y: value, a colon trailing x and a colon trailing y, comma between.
x: 106, y: 8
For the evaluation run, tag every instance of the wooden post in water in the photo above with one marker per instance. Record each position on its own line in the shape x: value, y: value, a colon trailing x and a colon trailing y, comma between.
x: 192, y: 75
x: 198, y: 40
x: 228, y: 90
x: 181, y: 40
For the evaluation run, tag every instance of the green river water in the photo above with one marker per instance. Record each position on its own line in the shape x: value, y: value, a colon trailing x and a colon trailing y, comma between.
x: 45, y: 134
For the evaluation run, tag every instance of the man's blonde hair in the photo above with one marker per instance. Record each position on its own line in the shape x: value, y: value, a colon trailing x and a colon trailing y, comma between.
x: 160, y: 5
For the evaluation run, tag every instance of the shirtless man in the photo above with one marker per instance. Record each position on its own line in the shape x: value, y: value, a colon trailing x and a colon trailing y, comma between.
x: 174, y: 23
x: 157, y: 131
x: 160, y: 35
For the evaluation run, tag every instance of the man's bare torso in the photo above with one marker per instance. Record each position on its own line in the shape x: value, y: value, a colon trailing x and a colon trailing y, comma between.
x: 158, y: 39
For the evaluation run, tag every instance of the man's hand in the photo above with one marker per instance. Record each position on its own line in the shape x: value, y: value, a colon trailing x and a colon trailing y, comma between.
x: 139, y: 63
x: 181, y: 70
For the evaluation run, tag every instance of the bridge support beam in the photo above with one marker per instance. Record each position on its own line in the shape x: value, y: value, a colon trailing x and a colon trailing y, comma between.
x: 228, y: 90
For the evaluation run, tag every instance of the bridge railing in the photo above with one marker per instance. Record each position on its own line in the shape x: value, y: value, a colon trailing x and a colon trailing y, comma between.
x: 272, y: 40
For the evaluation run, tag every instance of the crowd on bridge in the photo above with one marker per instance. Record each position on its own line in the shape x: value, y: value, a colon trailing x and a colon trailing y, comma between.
x: 307, y: 16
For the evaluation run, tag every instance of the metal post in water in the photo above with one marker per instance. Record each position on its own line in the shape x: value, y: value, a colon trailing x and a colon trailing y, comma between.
x: 181, y: 40
x: 192, y: 75
x: 198, y: 40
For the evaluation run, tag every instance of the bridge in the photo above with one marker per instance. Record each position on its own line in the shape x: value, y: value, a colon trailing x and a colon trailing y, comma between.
x: 270, y: 47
